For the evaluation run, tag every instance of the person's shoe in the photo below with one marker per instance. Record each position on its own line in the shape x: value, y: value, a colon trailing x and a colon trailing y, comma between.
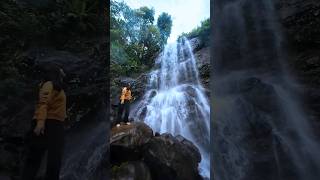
x: 118, y: 125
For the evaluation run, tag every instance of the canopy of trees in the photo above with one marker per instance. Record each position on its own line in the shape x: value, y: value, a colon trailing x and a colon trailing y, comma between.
x: 135, y: 39
x: 25, y: 24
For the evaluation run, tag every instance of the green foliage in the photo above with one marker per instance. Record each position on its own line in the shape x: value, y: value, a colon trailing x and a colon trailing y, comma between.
x: 130, y: 68
x: 19, y: 23
x: 152, y: 44
x: 135, y: 39
x: 146, y: 14
x: 59, y: 19
x: 164, y: 24
x: 82, y: 12
x: 202, y: 32
x: 40, y: 22
x: 117, y: 53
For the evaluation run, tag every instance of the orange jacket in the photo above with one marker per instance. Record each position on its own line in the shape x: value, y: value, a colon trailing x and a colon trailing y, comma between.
x: 51, y: 104
x: 125, y: 95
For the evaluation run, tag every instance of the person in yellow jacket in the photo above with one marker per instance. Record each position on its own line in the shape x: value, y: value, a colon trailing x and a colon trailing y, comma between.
x: 124, y: 105
x: 47, y: 129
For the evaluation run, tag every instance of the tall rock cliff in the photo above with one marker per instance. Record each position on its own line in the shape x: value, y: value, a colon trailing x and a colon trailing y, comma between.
x: 300, y: 20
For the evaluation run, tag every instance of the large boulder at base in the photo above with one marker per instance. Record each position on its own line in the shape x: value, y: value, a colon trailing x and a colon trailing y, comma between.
x: 137, y: 154
x: 126, y: 141
x: 131, y: 136
x: 172, y: 158
x: 131, y: 170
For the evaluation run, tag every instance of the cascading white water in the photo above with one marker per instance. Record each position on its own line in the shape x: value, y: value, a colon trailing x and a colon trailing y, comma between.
x: 260, y: 129
x: 175, y: 101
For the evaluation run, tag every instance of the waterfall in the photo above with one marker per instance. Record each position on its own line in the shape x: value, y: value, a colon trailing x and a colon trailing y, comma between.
x: 260, y: 128
x: 86, y: 150
x: 175, y: 101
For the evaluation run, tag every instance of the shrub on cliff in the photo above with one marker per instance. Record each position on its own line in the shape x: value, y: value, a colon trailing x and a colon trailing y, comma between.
x: 202, y: 32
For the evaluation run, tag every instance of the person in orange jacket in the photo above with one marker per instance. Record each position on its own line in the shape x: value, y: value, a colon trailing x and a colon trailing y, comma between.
x: 47, y: 129
x: 124, y: 105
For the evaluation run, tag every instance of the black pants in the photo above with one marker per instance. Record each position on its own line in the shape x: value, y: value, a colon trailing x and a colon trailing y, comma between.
x: 53, y: 142
x: 126, y: 108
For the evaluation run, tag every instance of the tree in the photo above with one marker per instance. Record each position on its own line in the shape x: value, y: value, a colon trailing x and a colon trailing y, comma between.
x: 164, y: 24
x: 135, y: 39
x: 146, y: 14
x: 151, y: 45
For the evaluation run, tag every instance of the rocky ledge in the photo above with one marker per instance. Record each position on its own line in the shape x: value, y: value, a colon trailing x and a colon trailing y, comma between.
x: 136, y: 153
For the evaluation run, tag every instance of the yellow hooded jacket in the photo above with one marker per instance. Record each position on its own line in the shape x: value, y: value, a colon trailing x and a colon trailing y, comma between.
x: 125, y: 95
x: 51, y: 103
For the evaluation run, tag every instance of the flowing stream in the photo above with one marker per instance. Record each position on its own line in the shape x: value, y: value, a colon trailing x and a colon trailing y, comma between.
x: 260, y: 128
x: 175, y: 101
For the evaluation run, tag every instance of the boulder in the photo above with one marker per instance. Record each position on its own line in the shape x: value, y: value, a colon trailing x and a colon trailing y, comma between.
x: 130, y: 136
x: 135, y: 170
x: 172, y: 158
x: 126, y: 141
x: 136, y: 152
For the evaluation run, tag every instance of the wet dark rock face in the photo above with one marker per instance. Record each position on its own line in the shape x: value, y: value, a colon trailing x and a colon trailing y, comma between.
x: 202, y: 55
x: 300, y: 20
x: 33, y: 35
x: 138, y: 86
x: 86, y: 155
x: 132, y: 170
x: 136, y: 152
x: 301, y: 28
x: 248, y: 145
x: 255, y: 44
x: 86, y: 88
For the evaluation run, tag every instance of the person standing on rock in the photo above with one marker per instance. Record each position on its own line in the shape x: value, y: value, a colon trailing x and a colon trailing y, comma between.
x: 47, y: 129
x: 124, y: 105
